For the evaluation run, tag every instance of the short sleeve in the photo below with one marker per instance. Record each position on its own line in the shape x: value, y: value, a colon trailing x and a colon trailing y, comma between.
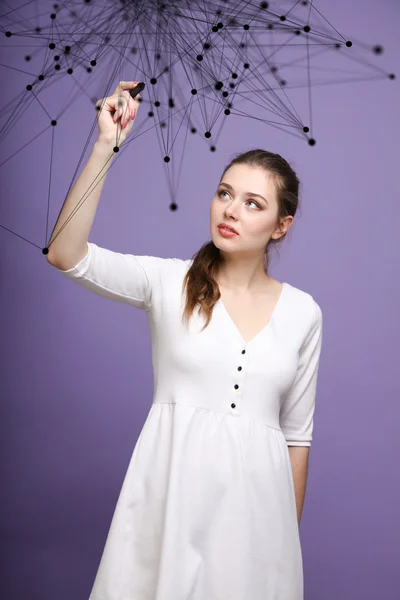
x: 297, y: 410
x: 122, y: 277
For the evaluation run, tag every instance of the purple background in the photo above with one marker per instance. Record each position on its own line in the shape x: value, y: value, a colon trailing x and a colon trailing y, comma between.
x: 76, y: 368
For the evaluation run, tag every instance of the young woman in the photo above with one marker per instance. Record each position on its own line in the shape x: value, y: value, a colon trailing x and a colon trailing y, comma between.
x: 211, y: 502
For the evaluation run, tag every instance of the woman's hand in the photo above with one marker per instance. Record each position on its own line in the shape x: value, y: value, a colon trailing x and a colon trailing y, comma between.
x: 117, y: 114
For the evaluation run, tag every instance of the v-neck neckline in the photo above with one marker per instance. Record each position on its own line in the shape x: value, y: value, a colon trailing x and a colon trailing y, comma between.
x: 264, y: 329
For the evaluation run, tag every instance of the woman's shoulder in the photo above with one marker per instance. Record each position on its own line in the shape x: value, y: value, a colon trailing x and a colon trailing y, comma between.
x: 301, y: 299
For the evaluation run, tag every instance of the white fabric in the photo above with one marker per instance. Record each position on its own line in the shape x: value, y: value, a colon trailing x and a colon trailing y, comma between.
x: 207, y: 507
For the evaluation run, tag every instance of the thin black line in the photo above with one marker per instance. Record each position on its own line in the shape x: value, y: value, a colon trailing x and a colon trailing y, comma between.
x: 20, y: 236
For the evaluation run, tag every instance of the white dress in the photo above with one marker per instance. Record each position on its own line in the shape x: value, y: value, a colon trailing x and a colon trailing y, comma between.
x: 207, y: 507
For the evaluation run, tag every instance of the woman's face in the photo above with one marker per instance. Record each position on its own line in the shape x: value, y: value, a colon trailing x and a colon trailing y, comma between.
x: 246, y: 199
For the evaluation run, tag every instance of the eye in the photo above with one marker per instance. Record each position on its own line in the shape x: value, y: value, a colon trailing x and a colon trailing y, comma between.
x: 223, y: 192
x: 254, y: 202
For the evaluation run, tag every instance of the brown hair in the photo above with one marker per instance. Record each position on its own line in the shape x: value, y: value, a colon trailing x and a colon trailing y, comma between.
x: 199, y: 283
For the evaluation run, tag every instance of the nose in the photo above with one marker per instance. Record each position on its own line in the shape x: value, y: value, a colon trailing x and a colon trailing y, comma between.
x: 230, y: 210
x: 230, y: 215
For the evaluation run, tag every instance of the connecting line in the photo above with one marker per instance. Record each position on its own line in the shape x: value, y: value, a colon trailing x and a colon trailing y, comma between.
x: 20, y: 236
x: 82, y: 200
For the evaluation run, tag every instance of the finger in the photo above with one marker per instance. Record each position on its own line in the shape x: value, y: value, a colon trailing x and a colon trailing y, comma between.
x: 121, y: 108
x: 132, y: 103
x: 122, y: 103
x: 125, y: 85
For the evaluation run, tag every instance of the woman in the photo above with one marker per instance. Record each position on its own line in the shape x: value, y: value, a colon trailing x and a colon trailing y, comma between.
x: 211, y: 502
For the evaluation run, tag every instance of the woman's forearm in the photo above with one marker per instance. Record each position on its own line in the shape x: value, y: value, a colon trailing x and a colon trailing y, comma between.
x: 299, y: 461
x: 70, y: 245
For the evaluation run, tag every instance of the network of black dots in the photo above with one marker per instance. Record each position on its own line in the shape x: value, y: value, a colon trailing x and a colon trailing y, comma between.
x: 203, y: 64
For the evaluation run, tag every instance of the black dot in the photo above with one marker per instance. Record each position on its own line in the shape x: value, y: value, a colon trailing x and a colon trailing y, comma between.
x: 264, y: 5
x: 232, y: 86
x: 212, y: 148
x: 307, y: 28
x: 274, y: 69
x: 158, y: 56
x: 116, y: 149
x: 53, y: 16
x: 38, y: 29
x: 157, y: 103
x: 199, y: 57
x: 337, y: 46
x: 283, y: 82
x: 150, y: 113
x: 70, y: 71
x: 41, y: 77
x: 93, y: 63
x: 67, y: 49
x: 171, y: 103
x: 153, y: 81
x: 349, y: 44
x: 219, y: 85
x: 88, y: 70
x: 234, y: 75
x: 193, y: 130
x: 173, y: 206
x: 194, y: 92
x: 52, y: 46
x: 28, y: 87
x: 270, y: 26
x: 163, y: 124
x: 227, y: 111
x: 207, y: 134
x: 133, y: 50
x: 246, y: 27
x: 45, y: 250
x: 166, y: 159
x: 206, y: 46
x: 306, y: 129
x: 56, y: 57
x: 226, y: 94
x: 246, y: 65
x: 57, y: 67
x: 54, y: 123
x: 220, y: 25
x: 298, y: 32
x: 392, y: 76
x: 283, y: 18
x: 27, y: 58
x: 311, y: 142
x: 215, y: 29
x: 378, y: 49
x: 8, y: 34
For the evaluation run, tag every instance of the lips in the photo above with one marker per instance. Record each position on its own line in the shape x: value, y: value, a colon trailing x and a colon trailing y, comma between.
x: 228, y: 227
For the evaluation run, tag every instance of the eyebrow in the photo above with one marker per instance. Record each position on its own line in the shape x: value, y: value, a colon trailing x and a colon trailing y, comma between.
x: 247, y: 194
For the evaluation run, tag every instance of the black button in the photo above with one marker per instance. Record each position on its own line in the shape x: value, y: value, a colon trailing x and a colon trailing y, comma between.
x: 243, y: 351
x: 233, y: 405
x: 239, y: 368
x: 236, y: 386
